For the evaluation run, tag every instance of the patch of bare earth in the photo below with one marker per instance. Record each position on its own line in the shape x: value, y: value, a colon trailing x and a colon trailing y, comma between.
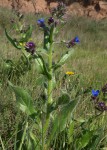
x: 95, y: 9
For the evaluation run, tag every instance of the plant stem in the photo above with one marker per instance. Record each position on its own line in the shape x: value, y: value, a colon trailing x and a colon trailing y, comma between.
x: 42, y: 132
x: 23, y: 137
x: 50, y: 71
x: 2, y: 144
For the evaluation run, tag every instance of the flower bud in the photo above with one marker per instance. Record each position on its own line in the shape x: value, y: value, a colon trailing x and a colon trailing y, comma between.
x: 30, y: 47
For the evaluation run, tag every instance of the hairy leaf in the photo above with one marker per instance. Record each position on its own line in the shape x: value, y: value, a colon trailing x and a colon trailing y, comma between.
x: 63, y: 59
x: 70, y: 132
x: 42, y: 66
x: 27, y: 34
x: 13, y: 41
x: 24, y: 100
x: 84, y: 139
x: 63, y: 99
x: 62, y: 117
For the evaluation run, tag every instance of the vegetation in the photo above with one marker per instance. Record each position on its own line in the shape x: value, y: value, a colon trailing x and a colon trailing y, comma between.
x: 46, y: 103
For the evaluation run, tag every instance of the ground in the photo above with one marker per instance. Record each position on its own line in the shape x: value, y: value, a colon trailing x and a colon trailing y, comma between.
x: 93, y: 8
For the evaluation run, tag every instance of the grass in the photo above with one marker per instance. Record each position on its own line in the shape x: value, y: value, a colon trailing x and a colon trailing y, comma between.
x: 89, y: 61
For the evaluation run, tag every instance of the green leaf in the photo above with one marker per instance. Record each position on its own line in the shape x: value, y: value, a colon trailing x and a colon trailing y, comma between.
x: 63, y: 99
x: 46, y: 39
x: 7, y: 65
x: 70, y: 132
x: 24, y: 100
x: 63, y: 115
x: 39, y: 65
x: 13, y: 41
x: 40, y: 80
x: 31, y: 142
x: 63, y: 59
x: 96, y: 139
x: 42, y: 66
x: 85, y: 139
x: 53, y: 81
x: 27, y: 35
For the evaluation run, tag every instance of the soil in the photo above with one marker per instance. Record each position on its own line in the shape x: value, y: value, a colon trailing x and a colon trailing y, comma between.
x: 93, y: 8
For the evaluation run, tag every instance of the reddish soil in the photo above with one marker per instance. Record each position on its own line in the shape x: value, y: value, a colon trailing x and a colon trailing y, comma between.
x: 93, y: 8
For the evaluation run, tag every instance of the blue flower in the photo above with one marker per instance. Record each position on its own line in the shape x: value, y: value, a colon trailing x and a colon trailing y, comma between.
x: 73, y: 42
x: 95, y: 93
x: 76, y: 39
x: 41, y: 22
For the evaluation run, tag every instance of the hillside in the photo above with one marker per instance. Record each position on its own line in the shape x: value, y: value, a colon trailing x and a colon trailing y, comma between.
x: 92, y: 8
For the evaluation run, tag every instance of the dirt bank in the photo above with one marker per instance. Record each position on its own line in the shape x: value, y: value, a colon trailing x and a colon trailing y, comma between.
x: 91, y: 8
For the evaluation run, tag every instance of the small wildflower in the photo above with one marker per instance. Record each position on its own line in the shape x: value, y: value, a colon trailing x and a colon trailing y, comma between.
x: 21, y: 44
x: 59, y: 11
x: 50, y: 20
x: 95, y: 93
x: 41, y: 23
x: 101, y: 106
x: 30, y: 47
x: 70, y: 73
x: 104, y: 89
x: 73, y: 42
x: 76, y: 39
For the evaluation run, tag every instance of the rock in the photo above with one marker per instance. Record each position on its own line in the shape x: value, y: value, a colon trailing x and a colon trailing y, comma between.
x: 90, y: 8
x: 75, y: 9
x: 92, y: 14
x: 53, y: 4
x: 103, y: 5
x: 34, y: 6
x: 5, y: 3
x: 96, y: 8
x: 100, y: 16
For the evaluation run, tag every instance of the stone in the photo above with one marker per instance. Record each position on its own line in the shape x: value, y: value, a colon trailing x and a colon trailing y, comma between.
x: 100, y: 16
x: 53, y: 4
x: 96, y: 9
x: 103, y: 5
x: 75, y: 9
x: 92, y: 14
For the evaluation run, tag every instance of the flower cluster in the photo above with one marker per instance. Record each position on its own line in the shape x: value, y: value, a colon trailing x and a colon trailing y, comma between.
x: 51, y: 20
x: 41, y: 23
x: 59, y: 11
x: 73, y: 42
x: 70, y: 73
x: 104, y: 89
x: 30, y: 47
x: 101, y: 106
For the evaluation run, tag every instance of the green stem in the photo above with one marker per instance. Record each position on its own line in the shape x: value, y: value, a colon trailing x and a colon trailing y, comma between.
x: 50, y: 72
x: 23, y: 137
x: 42, y: 132
x: 2, y: 144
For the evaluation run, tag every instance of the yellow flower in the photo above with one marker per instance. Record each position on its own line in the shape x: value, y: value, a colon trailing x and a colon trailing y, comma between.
x: 30, y: 39
x: 70, y: 73
x: 22, y: 44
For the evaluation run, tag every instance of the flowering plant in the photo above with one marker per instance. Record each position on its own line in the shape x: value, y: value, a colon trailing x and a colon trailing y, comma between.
x: 53, y: 118
x: 49, y: 113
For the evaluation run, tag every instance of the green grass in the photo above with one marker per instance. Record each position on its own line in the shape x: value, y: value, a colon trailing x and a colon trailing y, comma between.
x: 89, y: 61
